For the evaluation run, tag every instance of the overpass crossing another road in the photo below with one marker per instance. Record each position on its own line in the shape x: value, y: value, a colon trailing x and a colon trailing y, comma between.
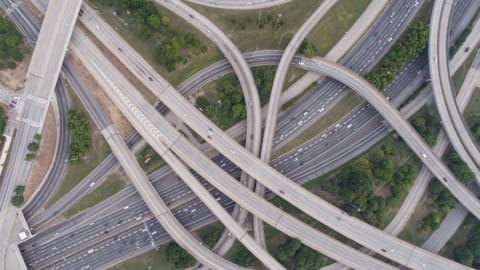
x: 42, y: 77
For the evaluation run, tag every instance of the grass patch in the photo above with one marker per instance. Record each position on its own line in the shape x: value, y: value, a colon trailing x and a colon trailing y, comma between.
x: 335, y: 23
x: 244, y: 29
x: 411, y: 232
x: 344, y: 106
x: 460, y: 238
x: 154, y: 161
x: 112, y: 185
x: 148, y: 49
x: 459, y: 76
x: 154, y: 259
x: 99, y: 150
x: 211, y: 233
x: 293, y: 75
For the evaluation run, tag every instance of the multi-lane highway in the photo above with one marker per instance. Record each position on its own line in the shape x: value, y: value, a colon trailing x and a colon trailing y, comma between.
x: 198, y: 122
x: 367, y: 109
x: 329, y: 97
x: 168, y: 221
x: 452, y: 119
x: 159, y: 135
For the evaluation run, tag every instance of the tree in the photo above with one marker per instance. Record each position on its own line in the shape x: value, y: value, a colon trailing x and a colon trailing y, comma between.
x: 17, y: 200
x: 178, y: 257
x: 243, y: 257
x: 474, y: 247
x: 155, y: 22
x: 464, y: 256
x: 33, y: 146
x: 30, y: 156
x: 459, y: 167
x: 308, y: 49
x: 19, y: 190
x: 37, y: 137
x: 79, y: 128
x: 307, y: 258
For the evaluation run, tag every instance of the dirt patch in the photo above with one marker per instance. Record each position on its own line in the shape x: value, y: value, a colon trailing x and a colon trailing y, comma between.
x: 107, y: 105
x: 15, y: 79
x: 44, y: 155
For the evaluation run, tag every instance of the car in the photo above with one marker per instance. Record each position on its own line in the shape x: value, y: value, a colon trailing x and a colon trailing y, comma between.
x: 90, y: 251
x: 96, y: 26
x: 467, y: 49
x: 92, y: 184
x: 301, y: 63
x: 349, y: 126
x: 424, y: 155
x: 126, y: 207
x: 389, y: 39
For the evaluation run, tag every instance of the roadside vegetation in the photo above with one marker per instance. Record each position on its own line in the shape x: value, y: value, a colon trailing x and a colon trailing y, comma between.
x: 18, y: 199
x: 308, y: 49
x: 3, y: 120
x: 268, y: 28
x: 149, y: 159
x: 33, y: 147
x: 370, y: 185
x: 172, y: 46
x: 108, y: 188
x: 79, y: 128
x: 293, y: 253
x: 427, y: 123
x: 222, y: 101
x: 11, y: 44
x: 177, y: 257
x: 472, y: 114
x: 414, y: 41
x: 97, y: 152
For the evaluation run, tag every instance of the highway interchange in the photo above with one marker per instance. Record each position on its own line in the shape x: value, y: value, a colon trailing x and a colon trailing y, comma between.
x: 346, y: 125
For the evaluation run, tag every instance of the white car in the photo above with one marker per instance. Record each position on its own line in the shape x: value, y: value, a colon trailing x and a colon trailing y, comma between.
x: 92, y: 184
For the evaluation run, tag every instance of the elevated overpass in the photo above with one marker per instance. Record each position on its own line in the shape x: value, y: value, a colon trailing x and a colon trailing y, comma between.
x: 314, y: 206
x: 198, y: 122
x: 129, y: 101
x: 450, y: 114
x: 161, y: 211
x: 274, y: 101
x: 42, y: 77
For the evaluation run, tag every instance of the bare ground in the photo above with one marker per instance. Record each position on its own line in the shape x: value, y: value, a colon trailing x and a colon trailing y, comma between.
x: 110, y: 109
x: 44, y: 155
x: 15, y: 79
